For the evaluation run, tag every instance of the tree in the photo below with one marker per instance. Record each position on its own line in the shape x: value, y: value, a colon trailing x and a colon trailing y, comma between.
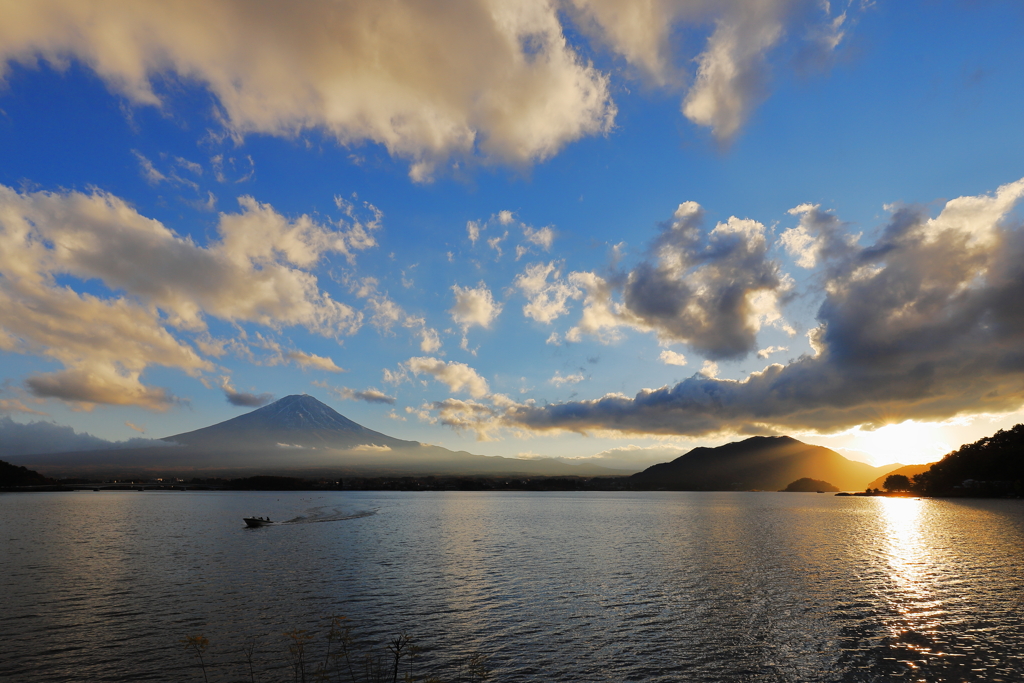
x: 897, y: 482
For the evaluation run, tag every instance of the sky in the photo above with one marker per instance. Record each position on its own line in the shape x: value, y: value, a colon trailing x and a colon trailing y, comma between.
x: 589, y: 229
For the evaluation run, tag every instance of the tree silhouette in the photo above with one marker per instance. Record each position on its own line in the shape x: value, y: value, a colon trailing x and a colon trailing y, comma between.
x: 897, y: 482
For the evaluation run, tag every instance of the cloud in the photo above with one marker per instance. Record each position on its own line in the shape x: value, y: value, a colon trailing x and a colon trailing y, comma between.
x: 924, y: 323
x: 546, y: 301
x: 368, y: 395
x: 385, y: 314
x: 764, y: 353
x: 558, y: 380
x: 669, y: 357
x: 13, y: 405
x: 497, y: 81
x: 311, y: 360
x: 733, y: 69
x: 731, y: 77
x: 711, y: 291
x: 48, y: 437
x: 473, y: 231
x: 242, y: 399
x: 156, y: 282
x: 458, y: 376
x: 371, y: 448
x: 632, y: 457
x: 137, y: 428
x: 542, y: 237
x: 474, y: 307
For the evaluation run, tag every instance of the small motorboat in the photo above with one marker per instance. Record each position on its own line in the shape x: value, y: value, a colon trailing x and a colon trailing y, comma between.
x: 256, y: 521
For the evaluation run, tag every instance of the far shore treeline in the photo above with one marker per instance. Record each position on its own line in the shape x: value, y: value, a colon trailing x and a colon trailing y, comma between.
x: 990, y: 467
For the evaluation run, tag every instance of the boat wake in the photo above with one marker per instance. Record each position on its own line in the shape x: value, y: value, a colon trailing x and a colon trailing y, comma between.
x: 328, y: 513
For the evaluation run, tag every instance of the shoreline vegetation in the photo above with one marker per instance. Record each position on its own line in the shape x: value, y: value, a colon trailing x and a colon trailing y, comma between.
x: 330, y: 654
x: 992, y: 467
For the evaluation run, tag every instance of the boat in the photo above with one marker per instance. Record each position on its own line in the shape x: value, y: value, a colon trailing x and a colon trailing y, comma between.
x: 256, y: 521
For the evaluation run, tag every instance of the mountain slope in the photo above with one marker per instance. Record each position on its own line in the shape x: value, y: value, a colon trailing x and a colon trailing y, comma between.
x: 291, y: 421
x: 909, y: 471
x: 295, y: 435
x: 760, y: 462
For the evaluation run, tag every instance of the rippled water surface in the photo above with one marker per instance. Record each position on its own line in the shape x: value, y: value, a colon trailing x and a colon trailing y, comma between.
x: 101, y: 586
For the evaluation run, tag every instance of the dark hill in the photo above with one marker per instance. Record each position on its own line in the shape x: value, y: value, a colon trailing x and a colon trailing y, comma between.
x: 761, y: 462
x: 993, y: 465
x: 14, y: 475
x: 808, y: 485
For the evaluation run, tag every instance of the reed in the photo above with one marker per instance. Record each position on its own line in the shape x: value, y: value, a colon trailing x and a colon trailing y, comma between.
x: 335, y: 656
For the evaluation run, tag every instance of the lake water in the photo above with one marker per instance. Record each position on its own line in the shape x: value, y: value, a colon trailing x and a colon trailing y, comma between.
x: 659, y: 586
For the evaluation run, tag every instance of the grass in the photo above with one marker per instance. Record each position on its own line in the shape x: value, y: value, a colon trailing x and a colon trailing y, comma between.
x: 337, y: 656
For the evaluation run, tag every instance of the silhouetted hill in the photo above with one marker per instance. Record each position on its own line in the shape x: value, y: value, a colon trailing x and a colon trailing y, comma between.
x: 808, y: 485
x: 993, y: 465
x: 15, y: 475
x: 908, y: 471
x: 297, y: 435
x: 760, y: 462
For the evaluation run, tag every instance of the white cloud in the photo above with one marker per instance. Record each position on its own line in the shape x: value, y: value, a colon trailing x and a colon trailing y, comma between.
x: 731, y: 75
x: 558, y: 380
x: 256, y: 272
x: 149, y: 172
x: 709, y: 369
x: 473, y: 231
x: 458, y: 376
x: 490, y: 79
x: 542, y: 237
x: 764, y: 353
x: 546, y: 301
x: 371, y: 448
x: 669, y: 357
x: 311, y: 360
x: 733, y: 68
x: 474, y: 307
x: 430, y: 341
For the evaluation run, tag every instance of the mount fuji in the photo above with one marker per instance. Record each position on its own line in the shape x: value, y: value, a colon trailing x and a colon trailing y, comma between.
x: 296, y: 435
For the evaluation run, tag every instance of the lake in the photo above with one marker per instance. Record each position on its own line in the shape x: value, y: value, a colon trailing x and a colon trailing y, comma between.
x: 658, y: 586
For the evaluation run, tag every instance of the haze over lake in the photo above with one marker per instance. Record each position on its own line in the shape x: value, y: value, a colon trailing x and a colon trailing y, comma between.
x: 657, y: 586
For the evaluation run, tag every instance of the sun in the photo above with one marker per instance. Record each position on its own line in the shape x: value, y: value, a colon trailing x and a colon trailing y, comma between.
x: 909, y: 443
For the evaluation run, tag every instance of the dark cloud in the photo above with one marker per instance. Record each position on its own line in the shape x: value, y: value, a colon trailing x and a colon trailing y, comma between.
x: 113, y: 388
x: 47, y: 437
x: 240, y: 398
x: 373, y: 396
x: 925, y: 323
x: 702, y: 289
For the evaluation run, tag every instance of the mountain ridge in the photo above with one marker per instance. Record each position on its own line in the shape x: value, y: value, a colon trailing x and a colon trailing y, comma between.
x: 297, y: 434
x: 295, y: 420
x: 760, y: 462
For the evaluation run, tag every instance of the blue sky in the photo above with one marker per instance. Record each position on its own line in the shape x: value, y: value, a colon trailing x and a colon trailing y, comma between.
x: 578, y: 229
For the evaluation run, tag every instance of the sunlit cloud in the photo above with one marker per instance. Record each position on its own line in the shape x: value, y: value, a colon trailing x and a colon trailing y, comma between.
x: 370, y: 395
x: 457, y: 376
x: 474, y: 307
x: 923, y: 324
x: 494, y: 81
x: 162, y: 284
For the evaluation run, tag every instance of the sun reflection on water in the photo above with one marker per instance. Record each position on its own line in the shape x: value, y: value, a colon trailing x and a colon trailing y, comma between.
x: 911, y: 572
